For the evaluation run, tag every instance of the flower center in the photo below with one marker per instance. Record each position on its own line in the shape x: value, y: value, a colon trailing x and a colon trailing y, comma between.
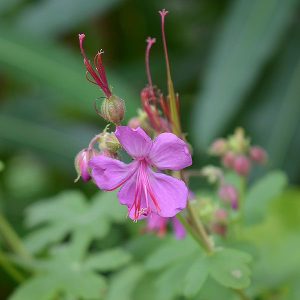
x: 144, y: 197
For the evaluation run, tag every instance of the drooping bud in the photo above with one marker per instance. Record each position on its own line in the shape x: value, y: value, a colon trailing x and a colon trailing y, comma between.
x: 258, y: 154
x: 242, y: 165
x: 218, y: 147
x: 229, y: 194
x: 228, y: 160
x: 113, y: 109
x: 81, y: 163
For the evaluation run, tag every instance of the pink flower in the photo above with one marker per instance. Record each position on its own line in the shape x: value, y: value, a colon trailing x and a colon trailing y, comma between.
x: 143, y: 190
x: 158, y: 224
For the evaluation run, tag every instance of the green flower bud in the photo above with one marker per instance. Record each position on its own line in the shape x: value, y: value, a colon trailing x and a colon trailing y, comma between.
x: 113, y: 109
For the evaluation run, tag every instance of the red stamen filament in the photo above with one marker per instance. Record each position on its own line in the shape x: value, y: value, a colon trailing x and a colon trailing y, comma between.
x: 100, y: 78
x: 150, y: 41
x: 163, y: 14
x: 142, y: 191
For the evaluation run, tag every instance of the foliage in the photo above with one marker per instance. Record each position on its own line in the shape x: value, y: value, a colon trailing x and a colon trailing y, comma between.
x: 233, y: 62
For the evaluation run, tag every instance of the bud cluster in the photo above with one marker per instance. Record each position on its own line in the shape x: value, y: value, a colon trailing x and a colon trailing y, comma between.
x: 237, y: 154
x: 104, y: 143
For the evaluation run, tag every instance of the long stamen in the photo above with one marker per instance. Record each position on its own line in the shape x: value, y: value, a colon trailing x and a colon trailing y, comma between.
x: 150, y: 41
x: 100, y: 79
x: 172, y: 98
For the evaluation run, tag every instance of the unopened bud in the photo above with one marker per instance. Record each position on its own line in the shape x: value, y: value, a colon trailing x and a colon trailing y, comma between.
x: 229, y: 194
x: 113, y: 109
x: 221, y: 215
x: 212, y: 173
x: 81, y: 163
x: 206, y: 209
x: 228, y: 160
x: 258, y: 154
x: 242, y: 165
x: 218, y: 147
x: 108, y: 142
x: 134, y: 123
x: 238, y: 141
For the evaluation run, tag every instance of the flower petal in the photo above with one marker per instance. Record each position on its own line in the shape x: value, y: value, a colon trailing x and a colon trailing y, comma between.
x: 135, y: 141
x: 170, y: 152
x: 109, y: 173
x: 170, y: 193
x: 127, y: 195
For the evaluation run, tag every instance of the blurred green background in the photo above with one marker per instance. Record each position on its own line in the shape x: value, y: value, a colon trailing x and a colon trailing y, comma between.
x: 234, y: 63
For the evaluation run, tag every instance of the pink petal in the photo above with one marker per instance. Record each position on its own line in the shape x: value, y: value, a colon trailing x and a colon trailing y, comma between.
x: 170, y: 193
x: 127, y: 195
x: 135, y: 141
x: 170, y: 152
x: 109, y: 173
x: 178, y: 228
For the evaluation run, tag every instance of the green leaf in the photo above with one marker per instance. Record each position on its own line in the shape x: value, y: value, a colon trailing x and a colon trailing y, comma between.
x: 70, y: 213
x: 261, y: 194
x: 195, y: 277
x: 123, y: 283
x: 278, y: 100
x: 58, y: 16
x: 169, y: 283
x: 170, y: 252
x: 61, y: 273
x: 37, y: 288
x: 230, y: 268
x: 108, y: 260
x: 237, y: 61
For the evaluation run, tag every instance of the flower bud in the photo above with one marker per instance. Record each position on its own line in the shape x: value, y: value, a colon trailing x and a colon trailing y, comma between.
x: 108, y: 142
x: 218, y: 147
x: 134, y: 123
x: 258, y: 154
x: 221, y: 216
x: 213, y: 174
x: 242, y: 165
x: 238, y: 141
x: 229, y: 194
x: 81, y: 163
x: 113, y: 109
x: 219, y: 225
x: 228, y: 160
x: 206, y: 208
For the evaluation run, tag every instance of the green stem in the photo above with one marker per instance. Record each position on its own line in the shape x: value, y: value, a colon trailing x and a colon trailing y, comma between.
x: 200, y: 229
x: 189, y: 229
x: 10, y: 269
x: 12, y: 238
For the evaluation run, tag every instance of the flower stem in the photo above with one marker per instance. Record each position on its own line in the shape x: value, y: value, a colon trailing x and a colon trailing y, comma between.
x: 189, y: 229
x: 200, y: 229
x: 10, y: 269
x: 12, y: 238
